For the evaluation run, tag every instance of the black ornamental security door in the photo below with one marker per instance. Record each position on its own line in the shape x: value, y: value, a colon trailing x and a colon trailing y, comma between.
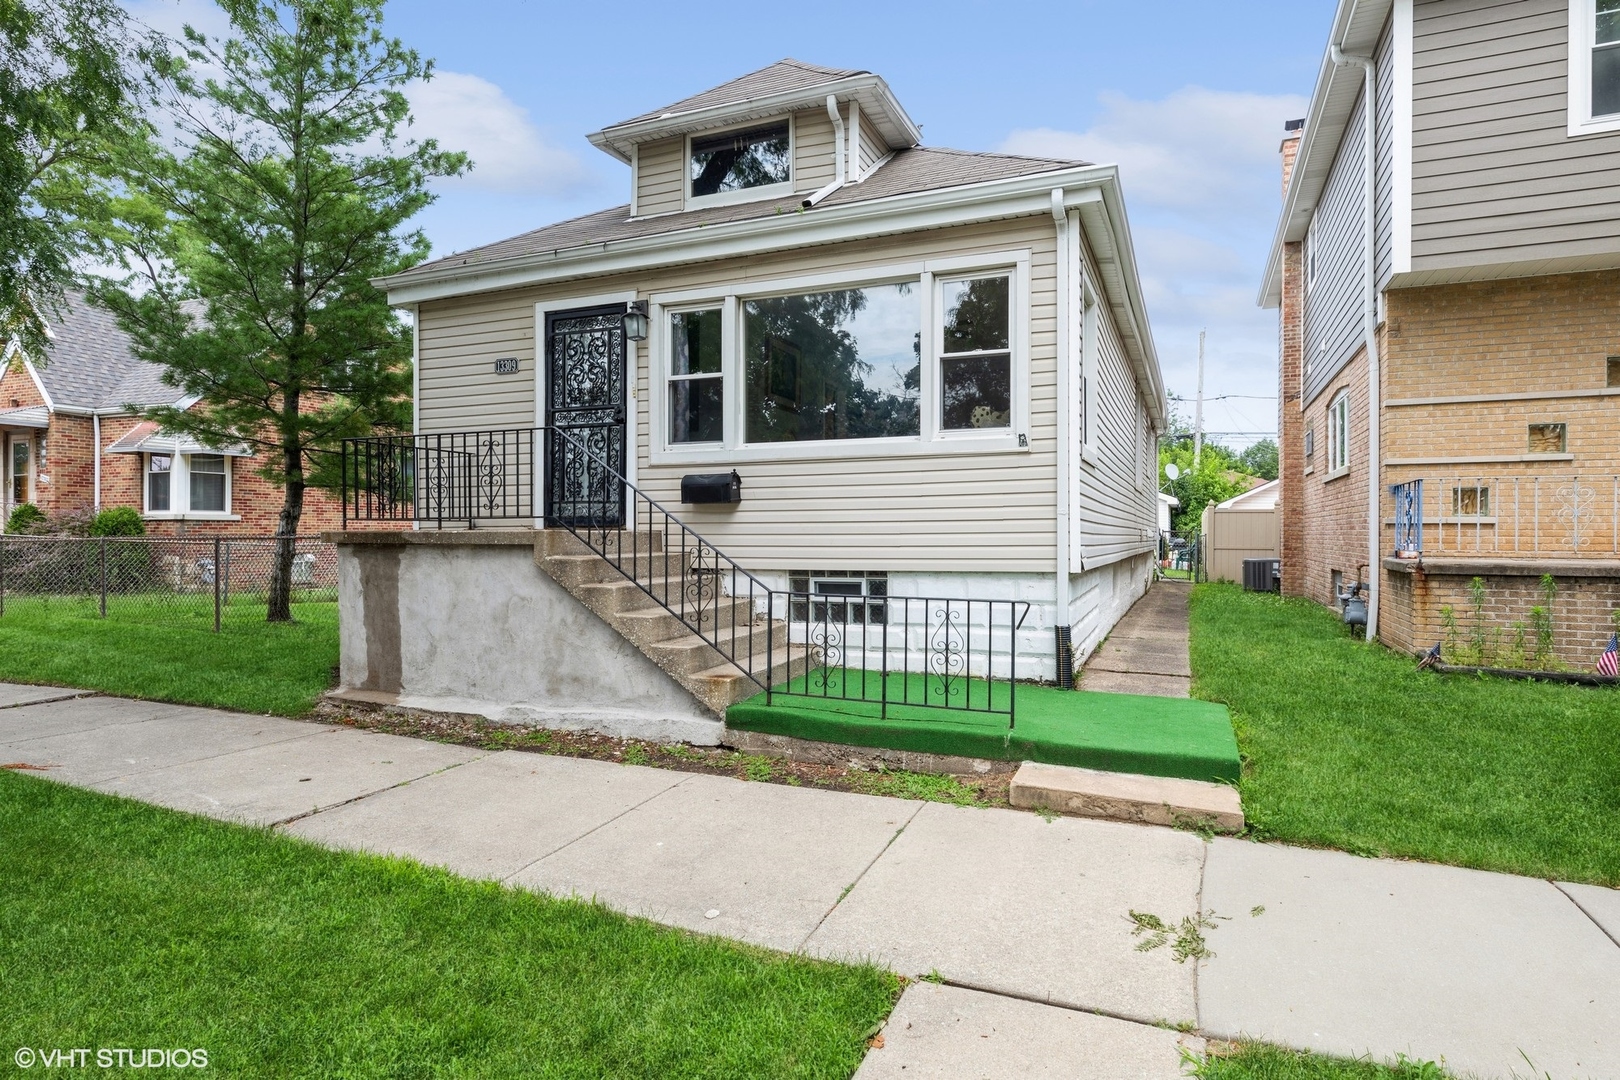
x: 585, y: 407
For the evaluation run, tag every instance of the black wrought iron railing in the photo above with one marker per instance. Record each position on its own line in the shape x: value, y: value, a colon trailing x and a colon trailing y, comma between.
x: 459, y: 477
x: 875, y: 654
x: 879, y: 653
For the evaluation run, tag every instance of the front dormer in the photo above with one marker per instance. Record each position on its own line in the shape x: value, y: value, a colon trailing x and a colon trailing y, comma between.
x: 790, y: 131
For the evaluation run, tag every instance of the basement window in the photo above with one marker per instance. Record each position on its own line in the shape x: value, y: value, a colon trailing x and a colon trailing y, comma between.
x: 1471, y: 500
x: 1614, y: 371
x: 839, y: 596
x: 1548, y: 438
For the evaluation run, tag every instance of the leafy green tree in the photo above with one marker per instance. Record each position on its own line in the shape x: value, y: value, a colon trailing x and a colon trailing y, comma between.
x: 1260, y: 459
x: 287, y: 186
x: 1219, y: 476
x: 67, y: 93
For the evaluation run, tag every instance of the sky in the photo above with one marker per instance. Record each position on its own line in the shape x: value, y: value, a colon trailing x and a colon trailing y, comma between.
x: 1188, y: 98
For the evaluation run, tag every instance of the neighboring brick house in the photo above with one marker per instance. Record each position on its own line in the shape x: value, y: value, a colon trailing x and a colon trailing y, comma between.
x: 72, y: 439
x: 1484, y: 271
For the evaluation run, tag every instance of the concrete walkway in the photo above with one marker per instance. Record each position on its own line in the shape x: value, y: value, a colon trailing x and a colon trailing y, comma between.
x: 1146, y: 652
x: 1025, y: 920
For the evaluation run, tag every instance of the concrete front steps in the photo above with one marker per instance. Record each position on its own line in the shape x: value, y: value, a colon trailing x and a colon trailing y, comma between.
x: 635, y: 608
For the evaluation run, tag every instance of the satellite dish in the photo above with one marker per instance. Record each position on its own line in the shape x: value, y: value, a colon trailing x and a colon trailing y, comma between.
x: 1173, y: 471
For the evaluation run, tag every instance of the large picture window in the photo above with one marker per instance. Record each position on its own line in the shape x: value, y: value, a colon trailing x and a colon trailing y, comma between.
x: 844, y: 364
x: 975, y: 357
x: 739, y: 160
x: 697, y: 396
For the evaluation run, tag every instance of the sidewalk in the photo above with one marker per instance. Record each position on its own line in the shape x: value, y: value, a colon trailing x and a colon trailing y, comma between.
x: 1026, y: 920
x: 1146, y: 652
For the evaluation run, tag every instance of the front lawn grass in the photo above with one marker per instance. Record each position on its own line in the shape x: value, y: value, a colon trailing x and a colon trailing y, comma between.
x: 169, y: 651
x: 1258, y: 1061
x: 1347, y: 745
x: 125, y: 925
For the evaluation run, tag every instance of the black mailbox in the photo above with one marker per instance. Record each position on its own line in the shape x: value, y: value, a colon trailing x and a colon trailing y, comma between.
x: 711, y: 488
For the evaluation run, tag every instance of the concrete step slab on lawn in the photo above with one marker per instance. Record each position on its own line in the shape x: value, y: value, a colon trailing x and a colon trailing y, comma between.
x: 1499, y: 976
x: 762, y: 863
x: 1149, y: 800
x: 264, y: 785
x: 491, y: 817
x: 122, y: 738
x: 1154, y: 736
x: 949, y: 1033
x: 1009, y: 902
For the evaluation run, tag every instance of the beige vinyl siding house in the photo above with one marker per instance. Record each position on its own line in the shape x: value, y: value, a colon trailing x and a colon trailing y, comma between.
x: 1052, y: 465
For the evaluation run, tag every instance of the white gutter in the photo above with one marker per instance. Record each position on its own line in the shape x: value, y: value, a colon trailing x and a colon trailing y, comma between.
x: 95, y: 440
x: 838, y: 154
x: 1369, y: 325
x: 1066, y: 294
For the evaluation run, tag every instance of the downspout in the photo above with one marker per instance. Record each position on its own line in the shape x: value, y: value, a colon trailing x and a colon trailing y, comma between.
x: 95, y: 439
x: 1369, y: 324
x: 1064, y: 653
x: 838, y: 154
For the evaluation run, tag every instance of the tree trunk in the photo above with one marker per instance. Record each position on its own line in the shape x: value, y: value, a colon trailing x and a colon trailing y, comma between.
x: 292, y: 511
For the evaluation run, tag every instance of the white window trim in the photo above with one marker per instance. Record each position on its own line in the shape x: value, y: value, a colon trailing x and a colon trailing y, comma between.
x: 180, y: 490
x: 744, y: 195
x: 661, y: 400
x: 1582, y: 38
x: 930, y: 443
x: 1338, y: 423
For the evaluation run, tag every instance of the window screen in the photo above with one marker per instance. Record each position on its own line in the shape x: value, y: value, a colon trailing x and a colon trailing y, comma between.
x: 741, y: 159
x: 208, y: 482
x: 157, y: 482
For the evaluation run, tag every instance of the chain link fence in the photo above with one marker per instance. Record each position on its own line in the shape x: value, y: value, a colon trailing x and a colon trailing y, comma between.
x: 178, y: 580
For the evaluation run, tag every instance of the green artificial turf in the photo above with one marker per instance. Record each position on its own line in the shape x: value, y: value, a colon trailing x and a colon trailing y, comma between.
x: 169, y: 651
x: 125, y: 925
x: 1347, y: 745
x: 1119, y: 732
x: 1257, y: 1061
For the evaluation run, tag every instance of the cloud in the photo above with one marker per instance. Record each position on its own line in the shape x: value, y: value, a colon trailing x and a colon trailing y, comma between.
x: 509, y: 154
x: 1199, y: 169
x: 1193, y: 150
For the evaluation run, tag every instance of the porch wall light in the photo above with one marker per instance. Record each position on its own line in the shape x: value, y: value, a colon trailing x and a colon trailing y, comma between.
x: 635, y: 320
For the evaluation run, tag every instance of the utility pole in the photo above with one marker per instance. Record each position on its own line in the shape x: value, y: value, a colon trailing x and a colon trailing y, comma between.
x: 1198, y: 409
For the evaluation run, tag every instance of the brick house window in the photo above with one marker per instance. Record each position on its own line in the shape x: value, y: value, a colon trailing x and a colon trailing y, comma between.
x: 158, y: 472
x: 1310, y: 442
x: 1471, y: 500
x: 1614, y: 371
x: 208, y: 483
x: 1548, y: 438
x: 1338, y: 430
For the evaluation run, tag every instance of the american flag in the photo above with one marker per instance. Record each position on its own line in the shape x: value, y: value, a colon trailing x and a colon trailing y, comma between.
x: 1609, y: 662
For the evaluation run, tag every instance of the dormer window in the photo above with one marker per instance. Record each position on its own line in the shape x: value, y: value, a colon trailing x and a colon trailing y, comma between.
x: 741, y: 161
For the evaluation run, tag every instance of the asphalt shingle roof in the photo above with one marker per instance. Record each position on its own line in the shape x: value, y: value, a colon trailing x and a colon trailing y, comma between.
x: 91, y: 364
x: 908, y: 171
x: 788, y: 74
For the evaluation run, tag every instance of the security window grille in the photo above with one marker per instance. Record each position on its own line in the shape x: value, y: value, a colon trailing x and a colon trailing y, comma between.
x: 207, y: 483
x: 158, y: 475
x: 697, y: 396
x: 839, y: 596
x: 1606, y: 59
x: 1471, y: 501
x: 975, y: 362
x: 1548, y: 438
x: 738, y: 160
x: 1339, y: 433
